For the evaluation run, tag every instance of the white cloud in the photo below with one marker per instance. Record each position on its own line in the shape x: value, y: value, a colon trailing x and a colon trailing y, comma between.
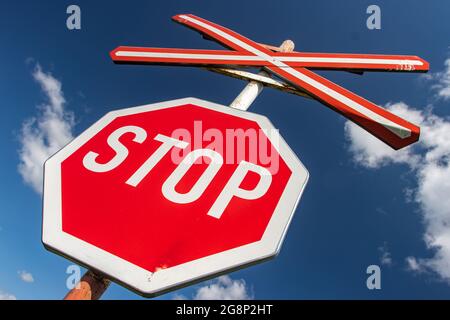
x: 385, y: 255
x: 224, y: 288
x: 429, y: 159
x: 7, y: 296
x: 414, y: 265
x: 441, y: 81
x: 178, y: 296
x: 47, y: 132
x: 25, y: 276
x: 370, y: 152
x: 221, y: 288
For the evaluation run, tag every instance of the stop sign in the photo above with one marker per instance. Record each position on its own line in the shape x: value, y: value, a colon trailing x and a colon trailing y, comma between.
x: 159, y: 196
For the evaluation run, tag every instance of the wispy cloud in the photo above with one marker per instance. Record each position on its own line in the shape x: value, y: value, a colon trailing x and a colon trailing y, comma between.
x: 178, y: 296
x: 222, y: 288
x: 429, y: 160
x: 7, y: 296
x: 441, y: 81
x: 25, y: 276
x: 40, y: 137
x: 413, y: 265
x: 46, y: 132
x: 370, y: 152
x: 385, y: 255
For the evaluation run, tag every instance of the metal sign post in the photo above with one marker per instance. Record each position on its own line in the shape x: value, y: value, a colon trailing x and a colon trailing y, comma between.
x: 254, y: 88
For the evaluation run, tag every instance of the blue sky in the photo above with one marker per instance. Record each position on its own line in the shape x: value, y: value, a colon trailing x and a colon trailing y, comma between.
x: 362, y: 202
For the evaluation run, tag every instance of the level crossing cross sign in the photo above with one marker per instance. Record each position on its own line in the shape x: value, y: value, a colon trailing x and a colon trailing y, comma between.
x: 294, y: 67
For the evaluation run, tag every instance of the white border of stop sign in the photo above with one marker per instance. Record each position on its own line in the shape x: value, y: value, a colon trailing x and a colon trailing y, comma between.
x: 136, y: 278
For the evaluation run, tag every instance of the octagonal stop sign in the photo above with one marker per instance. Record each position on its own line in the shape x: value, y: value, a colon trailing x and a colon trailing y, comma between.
x: 159, y: 196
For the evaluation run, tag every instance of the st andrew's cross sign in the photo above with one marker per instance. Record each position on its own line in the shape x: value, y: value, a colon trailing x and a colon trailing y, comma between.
x: 295, y: 68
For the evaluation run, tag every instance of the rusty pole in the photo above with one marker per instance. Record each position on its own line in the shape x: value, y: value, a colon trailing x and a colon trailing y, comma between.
x: 90, y: 287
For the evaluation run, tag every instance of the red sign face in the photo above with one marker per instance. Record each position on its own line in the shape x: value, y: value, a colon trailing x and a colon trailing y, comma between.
x: 162, y: 195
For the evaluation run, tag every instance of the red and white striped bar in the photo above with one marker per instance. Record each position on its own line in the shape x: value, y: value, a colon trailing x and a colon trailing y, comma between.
x: 362, y: 62
x: 185, y: 57
x: 325, y: 61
